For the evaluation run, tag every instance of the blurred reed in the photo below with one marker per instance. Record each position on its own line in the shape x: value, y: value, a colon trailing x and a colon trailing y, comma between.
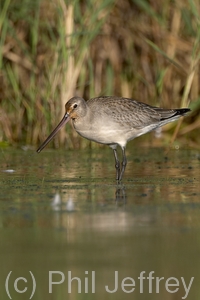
x: 52, y: 50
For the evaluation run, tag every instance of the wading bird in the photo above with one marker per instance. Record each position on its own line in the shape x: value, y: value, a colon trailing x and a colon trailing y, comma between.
x: 114, y: 121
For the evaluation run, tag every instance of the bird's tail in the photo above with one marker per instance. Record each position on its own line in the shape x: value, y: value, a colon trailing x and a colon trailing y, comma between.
x: 173, y: 114
x: 170, y: 115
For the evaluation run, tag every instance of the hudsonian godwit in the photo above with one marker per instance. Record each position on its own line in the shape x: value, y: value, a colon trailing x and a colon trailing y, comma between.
x: 114, y: 121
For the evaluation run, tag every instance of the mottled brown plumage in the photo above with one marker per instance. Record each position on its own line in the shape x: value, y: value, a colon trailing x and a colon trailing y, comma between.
x: 114, y: 121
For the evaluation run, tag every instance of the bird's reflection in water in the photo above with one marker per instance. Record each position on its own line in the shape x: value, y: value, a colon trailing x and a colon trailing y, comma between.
x: 58, y: 205
x: 120, y: 195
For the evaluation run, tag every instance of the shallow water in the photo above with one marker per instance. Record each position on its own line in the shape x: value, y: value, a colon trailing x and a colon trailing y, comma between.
x: 63, y: 212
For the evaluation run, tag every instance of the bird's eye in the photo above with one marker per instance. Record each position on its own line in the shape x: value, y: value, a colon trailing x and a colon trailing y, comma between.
x: 75, y: 105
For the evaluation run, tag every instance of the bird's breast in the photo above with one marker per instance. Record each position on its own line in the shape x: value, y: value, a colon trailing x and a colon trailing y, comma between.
x: 102, y: 132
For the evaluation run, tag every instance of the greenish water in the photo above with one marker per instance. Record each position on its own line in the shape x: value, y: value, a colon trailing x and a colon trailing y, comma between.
x: 63, y: 212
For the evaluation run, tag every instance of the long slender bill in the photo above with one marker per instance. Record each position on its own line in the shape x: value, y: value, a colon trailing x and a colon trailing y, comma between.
x: 64, y: 120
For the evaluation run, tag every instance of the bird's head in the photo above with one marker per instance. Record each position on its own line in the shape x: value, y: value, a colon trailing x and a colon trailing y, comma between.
x: 74, y: 109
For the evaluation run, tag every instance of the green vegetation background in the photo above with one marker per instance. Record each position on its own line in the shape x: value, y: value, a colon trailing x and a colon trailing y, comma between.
x: 52, y: 50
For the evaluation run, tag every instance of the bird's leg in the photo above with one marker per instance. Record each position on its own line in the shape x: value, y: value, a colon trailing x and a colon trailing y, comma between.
x: 117, y: 165
x: 124, y: 162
